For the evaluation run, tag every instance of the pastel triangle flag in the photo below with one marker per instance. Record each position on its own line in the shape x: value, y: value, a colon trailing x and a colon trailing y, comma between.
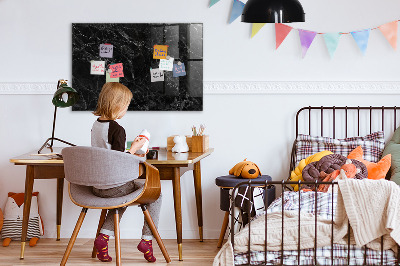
x: 361, y: 37
x: 389, y: 30
x: 306, y: 39
x: 213, y: 2
x: 237, y: 9
x: 281, y: 31
x: 332, y: 41
x: 256, y: 28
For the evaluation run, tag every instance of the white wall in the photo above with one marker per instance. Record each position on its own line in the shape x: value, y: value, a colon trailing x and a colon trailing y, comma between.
x: 35, y: 39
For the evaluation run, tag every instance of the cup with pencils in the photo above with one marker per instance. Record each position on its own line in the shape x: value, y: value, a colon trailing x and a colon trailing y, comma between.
x: 199, y: 140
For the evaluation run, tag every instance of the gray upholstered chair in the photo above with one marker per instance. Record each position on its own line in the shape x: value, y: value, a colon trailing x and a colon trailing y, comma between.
x: 85, y: 167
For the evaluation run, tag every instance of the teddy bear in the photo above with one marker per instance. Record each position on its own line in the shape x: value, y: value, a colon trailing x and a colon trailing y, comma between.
x: 245, y: 169
x: 180, y: 144
x: 13, y: 215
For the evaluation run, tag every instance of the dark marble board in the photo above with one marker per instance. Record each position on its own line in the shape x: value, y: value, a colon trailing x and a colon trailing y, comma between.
x: 133, y: 46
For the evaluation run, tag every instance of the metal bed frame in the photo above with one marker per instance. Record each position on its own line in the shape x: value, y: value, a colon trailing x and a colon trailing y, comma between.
x: 283, y: 184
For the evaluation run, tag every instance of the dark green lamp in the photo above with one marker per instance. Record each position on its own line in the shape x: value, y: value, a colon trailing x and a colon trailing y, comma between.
x: 65, y: 96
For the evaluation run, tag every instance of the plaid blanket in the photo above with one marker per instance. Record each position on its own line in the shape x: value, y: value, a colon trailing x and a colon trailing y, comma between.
x: 323, y: 205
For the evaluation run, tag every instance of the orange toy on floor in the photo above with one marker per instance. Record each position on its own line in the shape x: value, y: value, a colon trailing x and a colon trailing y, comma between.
x: 13, y: 215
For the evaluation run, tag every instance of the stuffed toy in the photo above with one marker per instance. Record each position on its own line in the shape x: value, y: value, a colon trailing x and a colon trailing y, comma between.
x: 13, y: 215
x: 375, y: 170
x: 180, y: 144
x: 296, y: 174
x: 245, y: 169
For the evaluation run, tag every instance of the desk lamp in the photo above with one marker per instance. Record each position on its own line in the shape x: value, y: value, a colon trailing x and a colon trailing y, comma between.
x: 273, y: 11
x: 64, y: 96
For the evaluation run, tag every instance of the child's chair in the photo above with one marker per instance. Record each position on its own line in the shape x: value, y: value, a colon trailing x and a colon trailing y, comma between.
x: 85, y: 167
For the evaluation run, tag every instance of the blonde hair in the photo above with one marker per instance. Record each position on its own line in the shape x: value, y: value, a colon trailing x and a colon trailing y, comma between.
x: 113, y: 97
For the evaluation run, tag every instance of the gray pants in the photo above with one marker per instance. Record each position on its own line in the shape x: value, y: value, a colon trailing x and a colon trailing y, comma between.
x: 154, y: 208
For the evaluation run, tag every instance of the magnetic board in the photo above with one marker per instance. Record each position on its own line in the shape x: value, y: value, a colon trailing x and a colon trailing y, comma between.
x: 162, y: 64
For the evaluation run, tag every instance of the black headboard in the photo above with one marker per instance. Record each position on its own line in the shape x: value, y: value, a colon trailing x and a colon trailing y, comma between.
x: 343, y: 122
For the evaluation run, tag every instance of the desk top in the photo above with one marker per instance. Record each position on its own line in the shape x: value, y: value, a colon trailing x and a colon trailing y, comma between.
x: 164, y: 157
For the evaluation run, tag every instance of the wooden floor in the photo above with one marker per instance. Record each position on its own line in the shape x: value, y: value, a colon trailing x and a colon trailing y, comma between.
x: 50, y: 252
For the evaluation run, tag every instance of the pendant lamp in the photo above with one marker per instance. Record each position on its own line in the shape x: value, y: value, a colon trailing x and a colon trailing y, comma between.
x: 273, y: 11
x: 64, y: 96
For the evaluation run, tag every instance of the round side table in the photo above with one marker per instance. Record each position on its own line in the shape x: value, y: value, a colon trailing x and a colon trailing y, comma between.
x: 228, y: 182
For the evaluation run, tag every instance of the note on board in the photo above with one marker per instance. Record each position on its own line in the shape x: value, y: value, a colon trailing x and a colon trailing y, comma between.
x: 109, y: 79
x: 156, y: 75
x: 97, y: 67
x: 106, y: 50
x: 167, y: 64
x: 117, y: 70
x: 179, y: 70
x: 160, y: 51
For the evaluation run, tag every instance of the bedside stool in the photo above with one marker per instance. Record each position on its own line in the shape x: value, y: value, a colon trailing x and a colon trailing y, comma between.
x: 228, y: 182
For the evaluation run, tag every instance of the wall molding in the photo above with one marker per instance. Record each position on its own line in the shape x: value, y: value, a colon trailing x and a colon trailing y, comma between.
x: 247, y: 87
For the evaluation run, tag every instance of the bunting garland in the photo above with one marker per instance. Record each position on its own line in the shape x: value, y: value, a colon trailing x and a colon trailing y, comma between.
x: 237, y: 10
x: 213, y: 2
x: 281, y: 31
x: 389, y: 30
x: 332, y: 41
x: 306, y: 39
x: 256, y: 27
x: 361, y: 37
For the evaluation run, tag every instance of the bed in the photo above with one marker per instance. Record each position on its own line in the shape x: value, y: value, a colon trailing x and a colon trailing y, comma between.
x: 298, y: 227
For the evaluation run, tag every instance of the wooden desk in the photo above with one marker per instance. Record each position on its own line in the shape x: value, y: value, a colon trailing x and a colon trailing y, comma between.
x: 171, y: 167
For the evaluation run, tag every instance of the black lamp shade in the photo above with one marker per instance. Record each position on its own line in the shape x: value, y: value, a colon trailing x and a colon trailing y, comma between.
x: 60, y: 101
x: 273, y: 11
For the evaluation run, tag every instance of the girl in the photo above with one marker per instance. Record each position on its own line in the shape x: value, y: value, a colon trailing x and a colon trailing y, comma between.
x: 113, y: 103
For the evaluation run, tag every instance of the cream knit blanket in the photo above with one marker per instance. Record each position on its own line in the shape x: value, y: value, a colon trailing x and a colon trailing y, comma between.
x: 373, y: 209
x: 371, y: 206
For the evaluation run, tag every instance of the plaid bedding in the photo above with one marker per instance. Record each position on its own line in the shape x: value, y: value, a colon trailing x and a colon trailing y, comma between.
x: 323, y: 207
x: 324, y: 257
x: 372, y: 145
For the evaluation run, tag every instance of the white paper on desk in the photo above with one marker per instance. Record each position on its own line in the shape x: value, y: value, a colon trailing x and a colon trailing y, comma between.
x: 167, y: 64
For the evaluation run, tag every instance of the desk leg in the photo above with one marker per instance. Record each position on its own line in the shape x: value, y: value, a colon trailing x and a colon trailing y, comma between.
x: 60, y: 190
x: 27, y: 206
x: 199, y: 204
x: 176, y: 182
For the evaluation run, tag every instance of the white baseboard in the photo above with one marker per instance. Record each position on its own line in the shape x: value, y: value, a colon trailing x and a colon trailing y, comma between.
x: 247, y: 87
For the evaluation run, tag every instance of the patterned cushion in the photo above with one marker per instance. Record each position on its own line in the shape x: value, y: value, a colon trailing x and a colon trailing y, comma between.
x: 372, y: 144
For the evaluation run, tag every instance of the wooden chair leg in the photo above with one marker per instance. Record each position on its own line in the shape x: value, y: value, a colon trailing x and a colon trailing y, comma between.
x: 117, y: 238
x: 101, y: 222
x: 223, y: 229
x: 73, y: 237
x: 154, y: 230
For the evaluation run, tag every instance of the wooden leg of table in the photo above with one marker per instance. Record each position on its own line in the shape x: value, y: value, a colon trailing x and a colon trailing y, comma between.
x: 199, y: 204
x: 117, y: 238
x: 176, y: 182
x: 101, y: 222
x: 73, y: 236
x: 223, y: 229
x: 60, y: 191
x: 27, y: 206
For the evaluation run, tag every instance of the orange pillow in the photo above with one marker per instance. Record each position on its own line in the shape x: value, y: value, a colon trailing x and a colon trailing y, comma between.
x: 375, y: 170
